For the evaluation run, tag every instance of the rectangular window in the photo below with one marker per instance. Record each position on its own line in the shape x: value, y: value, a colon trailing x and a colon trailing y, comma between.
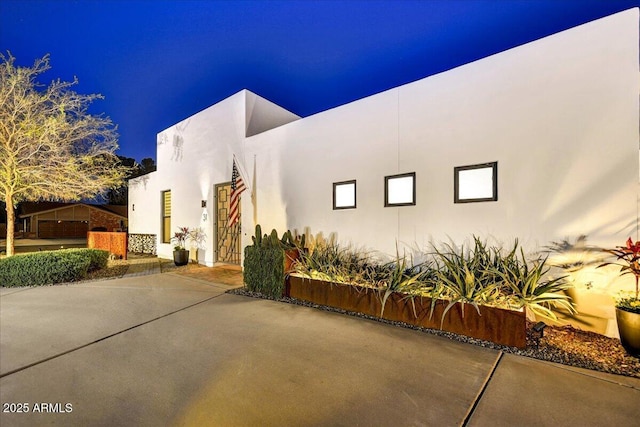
x: 400, y: 190
x: 344, y: 195
x: 476, y: 183
x: 166, y: 216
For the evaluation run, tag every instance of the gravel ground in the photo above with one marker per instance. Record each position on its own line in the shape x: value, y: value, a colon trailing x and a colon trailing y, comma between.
x: 566, y: 345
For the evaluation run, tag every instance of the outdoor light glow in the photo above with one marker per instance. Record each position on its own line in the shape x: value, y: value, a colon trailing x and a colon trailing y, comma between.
x: 475, y: 183
x: 400, y: 190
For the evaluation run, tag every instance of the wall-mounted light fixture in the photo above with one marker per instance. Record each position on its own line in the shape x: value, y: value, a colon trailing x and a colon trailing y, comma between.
x: 203, y: 204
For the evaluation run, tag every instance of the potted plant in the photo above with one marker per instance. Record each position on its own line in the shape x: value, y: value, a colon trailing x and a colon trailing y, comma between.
x: 180, y: 253
x: 197, y: 237
x: 628, y: 306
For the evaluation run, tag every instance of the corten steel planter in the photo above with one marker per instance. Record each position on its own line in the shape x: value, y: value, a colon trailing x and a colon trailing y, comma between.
x: 501, y: 326
x: 629, y: 329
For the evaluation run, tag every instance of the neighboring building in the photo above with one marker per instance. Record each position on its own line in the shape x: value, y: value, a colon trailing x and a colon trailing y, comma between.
x: 47, y: 220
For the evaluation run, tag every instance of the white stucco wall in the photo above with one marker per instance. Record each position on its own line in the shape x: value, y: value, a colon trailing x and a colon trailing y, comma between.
x: 192, y: 157
x: 559, y: 115
x: 144, y: 204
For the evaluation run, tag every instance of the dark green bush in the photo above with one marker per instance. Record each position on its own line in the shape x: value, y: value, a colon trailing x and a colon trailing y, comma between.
x: 264, y: 261
x: 99, y: 258
x: 264, y: 270
x: 48, y: 267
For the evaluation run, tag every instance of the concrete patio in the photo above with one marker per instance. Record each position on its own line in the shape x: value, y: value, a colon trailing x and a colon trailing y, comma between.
x: 167, y: 349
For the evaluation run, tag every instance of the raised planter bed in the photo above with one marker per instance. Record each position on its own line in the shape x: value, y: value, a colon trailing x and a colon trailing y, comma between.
x: 501, y: 326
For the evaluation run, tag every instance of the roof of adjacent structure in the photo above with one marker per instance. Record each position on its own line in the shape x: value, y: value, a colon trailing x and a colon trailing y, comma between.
x: 27, y: 209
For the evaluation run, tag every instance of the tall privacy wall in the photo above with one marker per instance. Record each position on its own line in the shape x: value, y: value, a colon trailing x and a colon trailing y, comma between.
x: 554, y: 122
x: 558, y: 115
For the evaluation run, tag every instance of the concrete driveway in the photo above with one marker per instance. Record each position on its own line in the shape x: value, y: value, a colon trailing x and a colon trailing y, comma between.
x: 166, y: 349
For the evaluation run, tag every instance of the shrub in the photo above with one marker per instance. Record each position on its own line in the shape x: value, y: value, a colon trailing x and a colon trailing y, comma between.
x: 49, y: 267
x: 99, y: 258
x: 264, y: 261
x: 264, y: 270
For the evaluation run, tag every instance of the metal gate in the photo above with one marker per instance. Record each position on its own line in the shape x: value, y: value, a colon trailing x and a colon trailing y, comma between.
x: 227, y: 238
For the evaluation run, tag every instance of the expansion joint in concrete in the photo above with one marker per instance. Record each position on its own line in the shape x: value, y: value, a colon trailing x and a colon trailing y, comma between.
x: 22, y: 368
x: 478, y: 398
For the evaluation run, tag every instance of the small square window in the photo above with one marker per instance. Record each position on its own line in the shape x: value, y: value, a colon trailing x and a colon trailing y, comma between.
x: 344, y: 195
x: 476, y: 183
x: 400, y: 190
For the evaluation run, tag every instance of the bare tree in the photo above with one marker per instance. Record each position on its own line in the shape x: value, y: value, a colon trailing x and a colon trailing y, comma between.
x: 51, y: 148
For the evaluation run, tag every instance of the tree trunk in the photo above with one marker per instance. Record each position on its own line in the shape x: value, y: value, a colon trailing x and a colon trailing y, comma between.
x: 11, y: 219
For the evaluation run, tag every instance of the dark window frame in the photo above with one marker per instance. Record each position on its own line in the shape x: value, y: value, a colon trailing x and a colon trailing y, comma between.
x: 355, y: 195
x: 456, y: 182
x: 386, y: 189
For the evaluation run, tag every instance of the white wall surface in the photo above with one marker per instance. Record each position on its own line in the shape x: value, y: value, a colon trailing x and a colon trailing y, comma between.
x: 559, y: 115
x: 144, y: 205
x: 193, y: 156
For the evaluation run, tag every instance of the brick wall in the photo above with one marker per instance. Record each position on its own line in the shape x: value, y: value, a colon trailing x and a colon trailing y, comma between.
x: 99, y: 218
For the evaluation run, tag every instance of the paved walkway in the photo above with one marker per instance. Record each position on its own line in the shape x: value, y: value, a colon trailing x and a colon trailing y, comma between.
x: 145, y: 265
x: 168, y: 349
x: 142, y: 266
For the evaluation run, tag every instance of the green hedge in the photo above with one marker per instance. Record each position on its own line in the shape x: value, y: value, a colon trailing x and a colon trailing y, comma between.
x: 264, y: 270
x: 48, y: 267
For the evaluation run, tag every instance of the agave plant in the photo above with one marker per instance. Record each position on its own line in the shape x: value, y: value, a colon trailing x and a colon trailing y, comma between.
x: 331, y: 263
x: 525, y: 287
x: 410, y: 280
x: 487, y: 276
x: 467, y: 277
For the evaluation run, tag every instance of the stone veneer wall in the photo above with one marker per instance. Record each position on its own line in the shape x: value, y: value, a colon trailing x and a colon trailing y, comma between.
x: 143, y: 243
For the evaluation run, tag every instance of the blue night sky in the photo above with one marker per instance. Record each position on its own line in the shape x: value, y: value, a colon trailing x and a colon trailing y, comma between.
x: 158, y: 62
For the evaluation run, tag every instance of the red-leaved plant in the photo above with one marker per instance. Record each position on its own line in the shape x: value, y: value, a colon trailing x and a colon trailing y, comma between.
x: 180, y: 237
x: 628, y: 259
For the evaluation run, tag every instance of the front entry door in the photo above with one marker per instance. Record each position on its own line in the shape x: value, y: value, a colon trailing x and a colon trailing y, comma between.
x: 227, y: 238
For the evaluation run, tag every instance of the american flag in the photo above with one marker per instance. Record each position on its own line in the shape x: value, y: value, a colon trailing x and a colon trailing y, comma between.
x: 237, y: 187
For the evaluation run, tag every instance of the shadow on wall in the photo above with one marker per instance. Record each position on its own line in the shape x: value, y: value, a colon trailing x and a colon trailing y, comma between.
x: 593, y: 289
x: 593, y: 197
x: 141, y: 180
x: 178, y: 140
